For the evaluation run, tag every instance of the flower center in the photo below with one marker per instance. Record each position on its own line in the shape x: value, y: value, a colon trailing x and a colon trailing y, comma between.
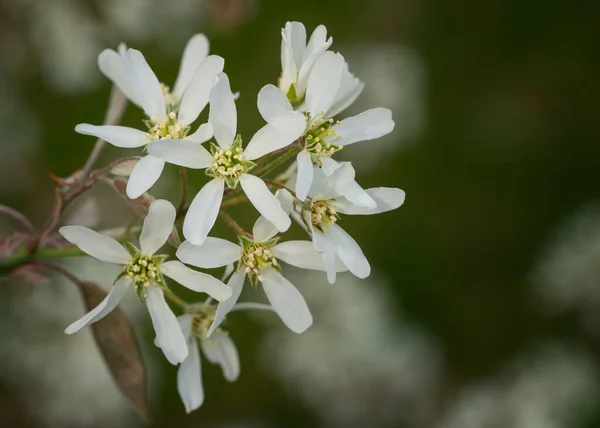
x: 167, y: 129
x: 143, y: 271
x: 256, y: 257
x: 322, y: 215
x: 203, y: 317
x: 228, y: 163
x: 319, y: 137
x: 170, y: 98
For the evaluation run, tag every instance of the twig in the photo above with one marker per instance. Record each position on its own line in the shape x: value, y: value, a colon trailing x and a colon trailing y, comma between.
x: 279, y: 185
x: 234, y: 200
x: 233, y: 224
x: 56, y: 268
x: 17, y: 216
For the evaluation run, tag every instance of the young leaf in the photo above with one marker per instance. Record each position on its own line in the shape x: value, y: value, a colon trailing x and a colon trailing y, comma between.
x: 118, y: 345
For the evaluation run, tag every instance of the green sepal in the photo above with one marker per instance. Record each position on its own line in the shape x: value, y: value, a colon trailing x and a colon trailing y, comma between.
x: 159, y: 258
x: 132, y: 249
x: 119, y: 276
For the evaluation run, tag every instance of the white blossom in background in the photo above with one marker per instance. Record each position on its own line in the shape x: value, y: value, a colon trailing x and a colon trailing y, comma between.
x: 229, y: 164
x: 258, y: 259
x: 298, y: 57
x: 167, y: 123
x: 362, y: 364
x: 219, y: 349
x: 320, y: 215
x: 143, y: 270
x: 112, y: 65
x: 554, y: 386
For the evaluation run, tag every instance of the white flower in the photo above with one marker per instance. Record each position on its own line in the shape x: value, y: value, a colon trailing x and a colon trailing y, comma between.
x: 320, y: 215
x: 258, y: 258
x: 168, y: 124
x: 229, y: 163
x: 298, y: 57
x: 218, y: 349
x: 330, y: 89
x: 112, y: 65
x: 143, y: 270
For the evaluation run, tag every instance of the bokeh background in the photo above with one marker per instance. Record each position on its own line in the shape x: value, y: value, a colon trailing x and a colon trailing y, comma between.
x: 483, y: 307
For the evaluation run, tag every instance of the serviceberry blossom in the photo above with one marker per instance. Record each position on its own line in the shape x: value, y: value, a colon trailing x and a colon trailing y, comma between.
x: 257, y: 259
x: 167, y: 122
x: 112, y: 65
x: 229, y: 164
x: 320, y: 215
x: 145, y: 271
x: 298, y: 57
x: 218, y: 349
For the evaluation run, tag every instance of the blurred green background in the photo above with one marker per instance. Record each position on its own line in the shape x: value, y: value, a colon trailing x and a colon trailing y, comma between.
x: 482, y: 308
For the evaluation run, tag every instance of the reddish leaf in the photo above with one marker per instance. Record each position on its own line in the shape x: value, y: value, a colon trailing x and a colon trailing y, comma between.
x: 118, y: 344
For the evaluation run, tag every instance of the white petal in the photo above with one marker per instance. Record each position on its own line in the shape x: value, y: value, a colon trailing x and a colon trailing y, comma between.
x: 359, y: 196
x: 202, y: 134
x: 96, y: 245
x: 196, y: 281
x: 158, y: 225
x: 213, y: 253
x: 264, y: 201
x: 328, y: 166
x: 221, y: 350
x: 263, y: 230
x: 223, y: 115
x: 236, y: 283
x: 104, y: 307
x: 112, y: 66
x: 303, y: 255
x: 386, y: 198
x: 119, y: 136
x: 189, y: 379
x: 350, y: 88
x: 304, y: 178
x: 143, y: 176
x: 181, y: 152
x: 286, y: 301
x: 272, y: 102
x: 203, y: 211
x: 194, y: 53
x: 330, y: 258
x: 279, y: 133
x: 169, y: 336
x: 349, y: 252
x: 145, y: 85
x: 323, y: 84
x: 335, y: 185
x: 197, y: 93
x: 316, y: 47
x: 294, y: 34
x: 368, y: 125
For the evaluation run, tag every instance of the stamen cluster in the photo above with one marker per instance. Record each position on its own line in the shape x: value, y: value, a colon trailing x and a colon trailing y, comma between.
x: 167, y: 129
x: 203, y: 317
x: 228, y: 163
x: 318, y: 139
x: 256, y: 257
x: 170, y: 98
x: 322, y: 215
x: 143, y: 272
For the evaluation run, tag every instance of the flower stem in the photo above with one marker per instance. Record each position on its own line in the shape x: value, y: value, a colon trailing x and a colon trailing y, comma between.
x: 24, y: 257
x: 290, y: 152
x: 233, y: 224
x: 174, y: 298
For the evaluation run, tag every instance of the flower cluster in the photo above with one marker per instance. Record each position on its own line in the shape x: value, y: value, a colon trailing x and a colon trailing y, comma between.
x: 302, y: 128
